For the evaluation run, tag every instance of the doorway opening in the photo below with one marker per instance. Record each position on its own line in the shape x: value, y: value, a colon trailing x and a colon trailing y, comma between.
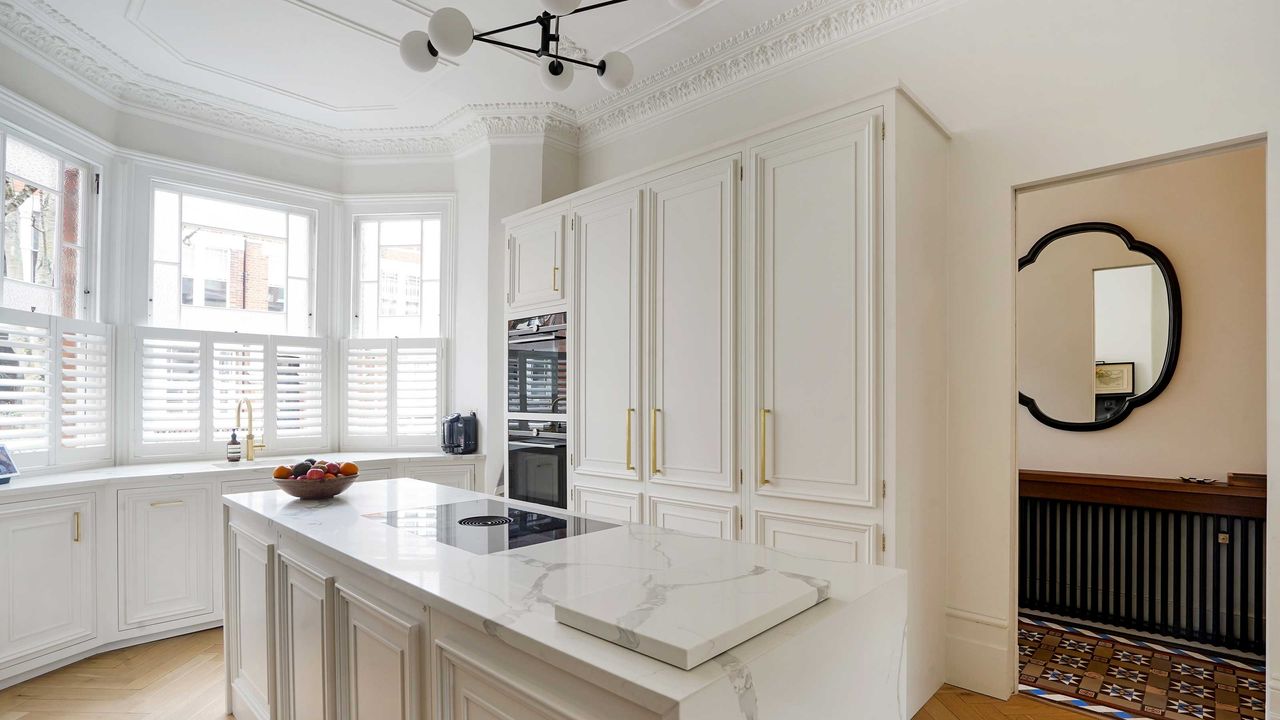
x: 1141, y: 437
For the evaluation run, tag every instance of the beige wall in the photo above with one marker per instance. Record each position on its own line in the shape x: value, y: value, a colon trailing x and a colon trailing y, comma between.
x: 1207, y: 214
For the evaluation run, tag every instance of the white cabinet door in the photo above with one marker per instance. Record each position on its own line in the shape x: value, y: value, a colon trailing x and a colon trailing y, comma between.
x: 459, y: 476
x: 471, y: 693
x: 607, y: 339
x: 304, y: 616
x: 694, y: 518
x: 608, y: 504
x: 692, y: 396
x: 165, y: 554
x: 378, y: 667
x: 47, y: 576
x: 815, y: 538
x: 536, y: 263
x: 817, y: 313
x: 250, y: 628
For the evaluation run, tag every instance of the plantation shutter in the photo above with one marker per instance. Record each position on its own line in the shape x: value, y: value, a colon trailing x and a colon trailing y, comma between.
x: 26, y: 386
x: 393, y: 393
x: 368, y: 398
x: 238, y: 373
x: 84, y: 396
x: 170, y: 381
x: 417, y: 374
x: 299, y: 392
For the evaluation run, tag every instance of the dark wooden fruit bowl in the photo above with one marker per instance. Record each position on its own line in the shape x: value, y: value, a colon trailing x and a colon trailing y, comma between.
x: 304, y: 489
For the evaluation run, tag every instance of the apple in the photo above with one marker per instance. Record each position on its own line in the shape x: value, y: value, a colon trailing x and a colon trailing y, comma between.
x: 315, y: 474
x: 332, y: 468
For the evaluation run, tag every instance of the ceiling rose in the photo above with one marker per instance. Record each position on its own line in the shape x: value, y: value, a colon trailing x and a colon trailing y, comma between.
x: 450, y: 33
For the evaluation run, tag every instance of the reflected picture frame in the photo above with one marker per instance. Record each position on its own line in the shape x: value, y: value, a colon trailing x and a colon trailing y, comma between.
x: 1113, y: 378
x: 8, y: 468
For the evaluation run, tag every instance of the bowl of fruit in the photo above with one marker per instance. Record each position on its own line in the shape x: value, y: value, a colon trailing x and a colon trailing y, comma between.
x: 316, y: 479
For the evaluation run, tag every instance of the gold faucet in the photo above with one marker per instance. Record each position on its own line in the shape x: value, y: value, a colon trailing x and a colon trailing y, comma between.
x: 251, y: 447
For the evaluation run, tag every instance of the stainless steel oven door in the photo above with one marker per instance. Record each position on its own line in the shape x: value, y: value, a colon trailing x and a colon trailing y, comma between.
x: 538, y: 472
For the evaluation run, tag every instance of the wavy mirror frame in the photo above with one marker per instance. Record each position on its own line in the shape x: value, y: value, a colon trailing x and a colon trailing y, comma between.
x: 1174, y: 294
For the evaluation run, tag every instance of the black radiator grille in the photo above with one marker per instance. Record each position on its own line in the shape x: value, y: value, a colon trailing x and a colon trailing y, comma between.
x: 1188, y: 575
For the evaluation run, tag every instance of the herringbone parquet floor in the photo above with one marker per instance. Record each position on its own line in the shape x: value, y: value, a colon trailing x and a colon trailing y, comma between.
x: 175, y: 679
x: 181, y: 679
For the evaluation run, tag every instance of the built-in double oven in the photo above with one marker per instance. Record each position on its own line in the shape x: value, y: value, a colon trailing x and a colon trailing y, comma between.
x: 537, y: 416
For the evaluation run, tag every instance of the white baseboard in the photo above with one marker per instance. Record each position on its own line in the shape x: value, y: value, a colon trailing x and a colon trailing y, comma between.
x: 980, y: 654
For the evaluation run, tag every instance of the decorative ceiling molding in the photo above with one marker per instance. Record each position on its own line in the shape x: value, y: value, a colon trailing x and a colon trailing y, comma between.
x: 463, y: 127
x: 808, y: 27
x: 811, y: 25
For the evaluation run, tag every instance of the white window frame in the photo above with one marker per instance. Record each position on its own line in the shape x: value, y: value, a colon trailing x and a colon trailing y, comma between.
x: 442, y: 206
x: 208, y: 445
x: 90, y: 218
x: 315, y: 328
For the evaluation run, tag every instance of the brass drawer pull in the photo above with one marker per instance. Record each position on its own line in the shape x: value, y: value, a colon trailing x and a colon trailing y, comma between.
x: 764, y: 440
x: 630, y: 412
x: 77, y: 519
x: 555, y: 279
x: 653, y: 441
x: 166, y: 503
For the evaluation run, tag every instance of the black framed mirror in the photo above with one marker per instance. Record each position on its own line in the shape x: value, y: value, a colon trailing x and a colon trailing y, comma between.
x: 1099, y: 326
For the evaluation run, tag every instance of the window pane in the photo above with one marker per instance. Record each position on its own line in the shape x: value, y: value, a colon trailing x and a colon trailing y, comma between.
x: 164, y: 289
x: 166, y: 227
x: 299, y: 246
x: 27, y: 162
x: 400, y: 280
x: 235, y: 216
x: 69, y: 281
x: 431, y: 308
x: 299, y: 306
x: 368, y: 251
x: 71, y: 206
x: 431, y: 248
x: 265, y: 266
x: 30, y: 221
x: 401, y: 232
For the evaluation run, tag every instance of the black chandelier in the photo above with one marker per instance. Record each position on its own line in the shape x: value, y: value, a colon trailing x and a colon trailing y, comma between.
x: 450, y: 33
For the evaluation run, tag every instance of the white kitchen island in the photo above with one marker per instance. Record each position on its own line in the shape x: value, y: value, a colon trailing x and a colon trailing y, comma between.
x: 333, y: 613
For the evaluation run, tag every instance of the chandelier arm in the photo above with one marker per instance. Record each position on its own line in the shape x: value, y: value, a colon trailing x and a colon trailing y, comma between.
x: 595, y: 6
x: 517, y: 26
x: 583, y: 63
x: 507, y: 45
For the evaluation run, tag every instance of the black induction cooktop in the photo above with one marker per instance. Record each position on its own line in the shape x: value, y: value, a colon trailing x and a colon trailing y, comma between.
x: 487, y: 526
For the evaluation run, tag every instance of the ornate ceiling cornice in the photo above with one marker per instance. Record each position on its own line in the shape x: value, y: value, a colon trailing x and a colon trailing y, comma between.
x: 810, y: 26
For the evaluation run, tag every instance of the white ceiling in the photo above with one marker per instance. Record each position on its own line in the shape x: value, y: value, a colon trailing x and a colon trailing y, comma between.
x: 327, y: 73
x: 335, y: 62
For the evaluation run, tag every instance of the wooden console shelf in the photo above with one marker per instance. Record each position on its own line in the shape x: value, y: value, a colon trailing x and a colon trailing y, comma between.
x: 1144, y: 492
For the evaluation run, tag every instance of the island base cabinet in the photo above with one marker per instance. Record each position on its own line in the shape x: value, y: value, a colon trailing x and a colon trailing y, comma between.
x: 378, y: 660
x: 476, y: 677
x: 46, y: 568
x: 249, y: 629
x: 304, y: 616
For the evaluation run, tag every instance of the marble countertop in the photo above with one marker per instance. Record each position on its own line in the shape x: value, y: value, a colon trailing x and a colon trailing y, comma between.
x: 511, y: 595
x: 198, y: 470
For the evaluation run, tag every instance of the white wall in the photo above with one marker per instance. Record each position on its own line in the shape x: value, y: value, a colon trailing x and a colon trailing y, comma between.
x: 1031, y: 90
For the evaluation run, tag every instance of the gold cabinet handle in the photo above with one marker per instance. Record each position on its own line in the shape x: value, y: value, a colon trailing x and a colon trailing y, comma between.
x: 653, y: 441
x: 166, y: 503
x: 77, y: 519
x: 555, y: 278
x: 764, y: 436
x: 630, y: 412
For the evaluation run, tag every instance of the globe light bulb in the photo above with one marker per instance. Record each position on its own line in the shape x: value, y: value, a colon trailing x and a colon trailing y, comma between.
x: 450, y: 32
x: 616, y: 71
x: 416, y: 51
x: 556, y: 75
x: 560, y: 7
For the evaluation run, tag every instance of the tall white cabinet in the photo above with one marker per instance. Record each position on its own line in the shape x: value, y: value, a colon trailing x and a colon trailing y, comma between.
x: 758, y: 351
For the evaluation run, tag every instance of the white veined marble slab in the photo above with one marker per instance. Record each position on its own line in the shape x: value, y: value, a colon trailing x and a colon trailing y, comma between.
x: 687, y: 615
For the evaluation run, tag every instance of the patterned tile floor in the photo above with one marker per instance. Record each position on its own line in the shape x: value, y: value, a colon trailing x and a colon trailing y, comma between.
x: 1130, y: 678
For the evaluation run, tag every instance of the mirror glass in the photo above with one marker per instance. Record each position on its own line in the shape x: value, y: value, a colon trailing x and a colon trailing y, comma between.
x: 1093, y: 326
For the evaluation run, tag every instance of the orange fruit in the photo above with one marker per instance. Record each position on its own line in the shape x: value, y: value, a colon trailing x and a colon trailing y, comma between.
x: 349, y: 468
x: 282, y: 472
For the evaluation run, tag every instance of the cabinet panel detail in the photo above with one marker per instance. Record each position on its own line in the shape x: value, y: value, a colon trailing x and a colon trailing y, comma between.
x: 608, y: 504
x: 819, y: 539
x: 378, y: 668
x: 304, y: 616
x: 250, y: 623
x: 694, y: 518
